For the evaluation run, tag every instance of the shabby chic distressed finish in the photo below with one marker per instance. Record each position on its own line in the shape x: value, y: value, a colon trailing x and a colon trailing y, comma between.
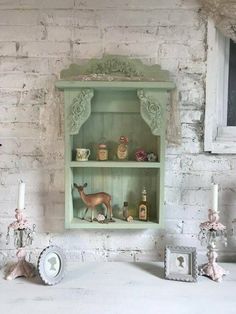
x: 80, y: 109
x: 218, y: 137
x: 104, y: 105
x: 23, y: 236
x: 152, y: 112
x: 172, y: 252
x: 51, y: 265
x: 113, y: 67
x: 210, y: 233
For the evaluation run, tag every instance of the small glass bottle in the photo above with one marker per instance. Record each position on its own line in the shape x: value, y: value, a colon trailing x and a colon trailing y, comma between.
x: 122, y: 149
x: 102, y: 153
x: 143, y: 207
x: 125, y: 210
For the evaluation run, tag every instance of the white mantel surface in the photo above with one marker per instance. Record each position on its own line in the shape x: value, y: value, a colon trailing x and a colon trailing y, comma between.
x: 119, y: 288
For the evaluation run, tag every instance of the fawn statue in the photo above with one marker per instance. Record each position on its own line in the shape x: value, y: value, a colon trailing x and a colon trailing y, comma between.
x: 92, y: 200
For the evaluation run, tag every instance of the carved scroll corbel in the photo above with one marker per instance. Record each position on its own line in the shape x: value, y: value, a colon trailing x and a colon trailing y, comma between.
x: 151, y: 112
x: 80, y: 110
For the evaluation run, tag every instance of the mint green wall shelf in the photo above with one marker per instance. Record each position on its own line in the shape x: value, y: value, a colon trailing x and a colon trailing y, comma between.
x: 105, y: 110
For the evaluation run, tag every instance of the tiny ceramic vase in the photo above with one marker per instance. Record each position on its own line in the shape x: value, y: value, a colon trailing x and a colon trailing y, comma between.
x: 122, y: 149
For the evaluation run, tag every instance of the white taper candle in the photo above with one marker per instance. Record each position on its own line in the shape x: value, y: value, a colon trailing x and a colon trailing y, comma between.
x: 21, y: 195
x: 215, y: 197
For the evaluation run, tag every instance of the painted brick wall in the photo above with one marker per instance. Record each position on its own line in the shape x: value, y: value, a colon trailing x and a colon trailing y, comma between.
x: 37, y: 40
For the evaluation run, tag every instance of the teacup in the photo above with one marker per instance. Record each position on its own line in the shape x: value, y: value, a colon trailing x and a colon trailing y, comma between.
x: 82, y: 154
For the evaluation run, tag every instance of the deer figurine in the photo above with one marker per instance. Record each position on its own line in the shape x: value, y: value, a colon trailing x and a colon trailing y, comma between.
x: 92, y: 200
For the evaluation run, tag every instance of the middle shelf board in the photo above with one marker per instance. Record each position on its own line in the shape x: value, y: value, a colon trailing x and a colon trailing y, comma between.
x: 114, y: 164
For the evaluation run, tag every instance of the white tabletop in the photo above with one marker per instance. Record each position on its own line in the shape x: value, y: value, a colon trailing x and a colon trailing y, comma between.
x: 118, y: 287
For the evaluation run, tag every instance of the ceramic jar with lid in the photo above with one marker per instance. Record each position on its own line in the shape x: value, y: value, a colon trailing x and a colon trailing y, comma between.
x: 102, y: 153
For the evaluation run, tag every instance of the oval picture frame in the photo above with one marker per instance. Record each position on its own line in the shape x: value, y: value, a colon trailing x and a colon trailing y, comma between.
x: 51, y: 265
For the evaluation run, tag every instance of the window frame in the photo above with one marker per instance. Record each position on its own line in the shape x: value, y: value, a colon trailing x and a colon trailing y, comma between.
x: 218, y: 137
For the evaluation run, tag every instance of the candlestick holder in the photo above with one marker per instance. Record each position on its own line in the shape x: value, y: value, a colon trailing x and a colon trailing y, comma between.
x: 212, y: 231
x: 23, y: 236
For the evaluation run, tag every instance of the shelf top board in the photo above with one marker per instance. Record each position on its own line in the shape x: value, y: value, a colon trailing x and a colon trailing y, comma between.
x: 128, y: 85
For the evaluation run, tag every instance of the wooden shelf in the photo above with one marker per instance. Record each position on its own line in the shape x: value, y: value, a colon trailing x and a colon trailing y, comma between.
x: 114, y: 164
x: 100, y: 110
x: 118, y: 224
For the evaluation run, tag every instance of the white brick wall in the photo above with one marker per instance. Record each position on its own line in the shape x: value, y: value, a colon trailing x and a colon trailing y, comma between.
x: 37, y: 40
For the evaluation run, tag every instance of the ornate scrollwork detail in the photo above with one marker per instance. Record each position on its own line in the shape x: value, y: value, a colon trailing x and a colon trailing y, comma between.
x: 151, y: 112
x: 113, y: 65
x: 80, y: 110
x: 112, y: 68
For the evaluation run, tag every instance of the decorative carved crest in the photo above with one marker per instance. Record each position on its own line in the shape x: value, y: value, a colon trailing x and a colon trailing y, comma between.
x: 112, y: 67
x: 151, y: 112
x: 80, y: 110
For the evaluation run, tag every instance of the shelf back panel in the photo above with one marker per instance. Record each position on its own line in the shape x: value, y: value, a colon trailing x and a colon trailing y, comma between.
x: 122, y: 184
